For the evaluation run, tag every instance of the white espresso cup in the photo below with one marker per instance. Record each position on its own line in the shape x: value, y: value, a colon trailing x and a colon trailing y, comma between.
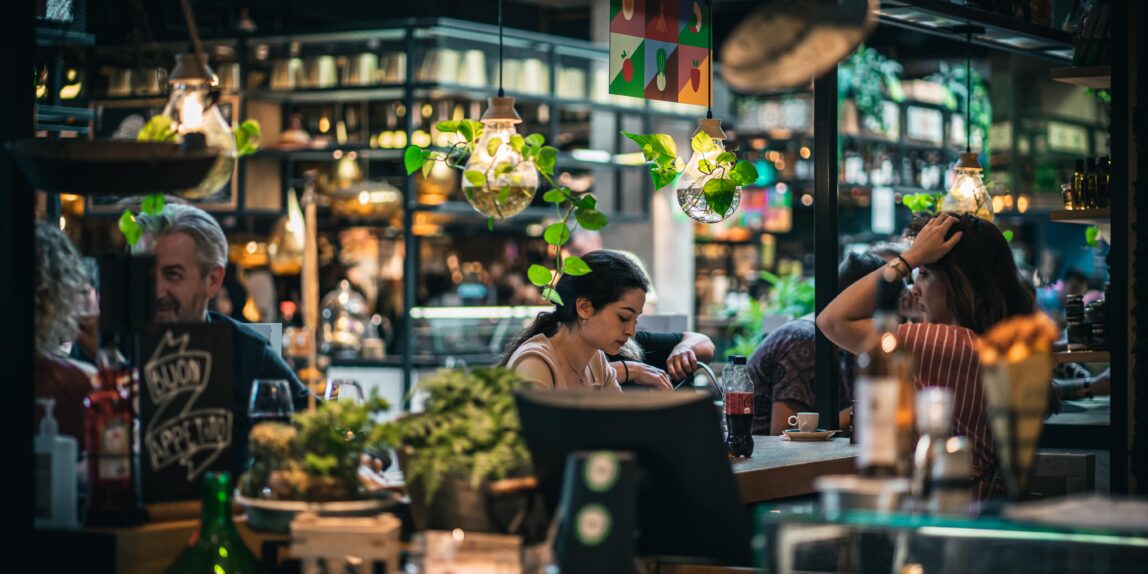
x: 805, y: 422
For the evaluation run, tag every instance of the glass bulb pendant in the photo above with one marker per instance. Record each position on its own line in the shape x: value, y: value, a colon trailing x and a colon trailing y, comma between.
x: 498, y: 182
x: 191, y: 108
x: 968, y: 193
x: 702, y: 169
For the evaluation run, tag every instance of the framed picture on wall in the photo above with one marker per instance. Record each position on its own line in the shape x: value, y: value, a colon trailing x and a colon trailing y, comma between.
x: 123, y: 119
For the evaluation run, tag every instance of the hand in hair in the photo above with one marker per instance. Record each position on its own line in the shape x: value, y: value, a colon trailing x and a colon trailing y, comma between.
x: 930, y: 244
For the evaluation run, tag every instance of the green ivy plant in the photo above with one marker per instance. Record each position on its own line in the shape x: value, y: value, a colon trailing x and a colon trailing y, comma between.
x: 929, y: 203
x: 470, y: 429
x: 582, y: 207
x: 317, y: 456
x: 868, y: 78
x: 725, y: 174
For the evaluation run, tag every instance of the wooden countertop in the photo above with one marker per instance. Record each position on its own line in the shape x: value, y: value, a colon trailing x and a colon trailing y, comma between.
x: 782, y: 468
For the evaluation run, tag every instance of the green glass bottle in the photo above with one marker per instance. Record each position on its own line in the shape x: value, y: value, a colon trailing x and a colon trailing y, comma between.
x: 217, y: 548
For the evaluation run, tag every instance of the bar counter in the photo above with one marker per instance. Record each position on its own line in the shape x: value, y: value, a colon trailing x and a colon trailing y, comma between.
x: 778, y: 469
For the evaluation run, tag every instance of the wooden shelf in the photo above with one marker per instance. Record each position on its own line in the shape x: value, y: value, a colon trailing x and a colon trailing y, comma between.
x: 1083, y: 216
x: 1098, y: 77
x: 1082, y: 357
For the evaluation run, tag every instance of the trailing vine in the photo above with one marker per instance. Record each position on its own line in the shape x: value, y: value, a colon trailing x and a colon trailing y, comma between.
x: 723, y: 175
x: 582, y: 207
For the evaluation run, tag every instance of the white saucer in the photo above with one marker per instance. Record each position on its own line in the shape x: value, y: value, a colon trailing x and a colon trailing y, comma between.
x: 817, y: 435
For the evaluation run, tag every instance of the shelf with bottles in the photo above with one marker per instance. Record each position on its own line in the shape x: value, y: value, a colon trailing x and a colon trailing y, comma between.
x: 1082, y: 216
x: 1082, y: 357
x: 1095, y: 77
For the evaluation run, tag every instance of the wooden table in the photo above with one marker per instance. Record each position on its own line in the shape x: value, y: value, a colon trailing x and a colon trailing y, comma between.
x: 782, y: 469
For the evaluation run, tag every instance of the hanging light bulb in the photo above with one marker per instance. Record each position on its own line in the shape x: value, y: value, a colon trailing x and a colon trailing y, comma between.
x: 287, y: 239
x: 691, y: 185
x: 197, y: 121
x: 968, y: 193
x: 508, y: 182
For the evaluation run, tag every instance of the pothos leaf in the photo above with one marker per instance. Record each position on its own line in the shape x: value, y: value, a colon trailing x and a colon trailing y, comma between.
x: 654, y: 146
x: 725, y: 157
x: 502, y: 168
x: 719, y: 195
x: 556, y: 234
x: 705, y: 166
x: 551, y: 295
x: 702, y: 142
x: 152, y: 204
x: 413, y: 158
x: 129, y: 227
x: 490, y: 223
x: 547, y: 158
x: 535, y: 140
x: 475, y: 177
x: 447, y: 126
x: 586, y: 201
x: 1008, y: 235
x: 492, y: 145
x: 591, y: 219
x: 538, y: 275
x: 573, y: 265
x: 470, y: 129
x: 743, y: 173
x: 663, y: 177
x: 516, y: 142
x: 554, y: 196
x: 503, y: 194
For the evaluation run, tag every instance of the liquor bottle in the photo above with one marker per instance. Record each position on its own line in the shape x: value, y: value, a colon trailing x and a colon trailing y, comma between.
x: 1090, y: 184
x: 1078, y: 185
x: 884, y: 402
x: 217, y: 546
x: 738, y: 407
x: 108, y: 426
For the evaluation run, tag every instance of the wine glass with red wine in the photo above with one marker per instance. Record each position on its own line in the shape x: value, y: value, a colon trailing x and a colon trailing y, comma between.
x: 270, y: 401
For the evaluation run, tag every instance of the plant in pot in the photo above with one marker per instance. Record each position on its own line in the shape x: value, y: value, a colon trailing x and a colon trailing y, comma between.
x: 316, y: 462
x: 463, y: 458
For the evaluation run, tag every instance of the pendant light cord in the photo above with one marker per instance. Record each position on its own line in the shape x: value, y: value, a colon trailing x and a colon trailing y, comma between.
x: 192, y: 29
x: 710, y: 24
x: 968, y: 92
x: 501, y: 93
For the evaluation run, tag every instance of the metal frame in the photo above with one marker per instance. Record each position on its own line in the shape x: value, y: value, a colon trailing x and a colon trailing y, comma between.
x: 825, y: 238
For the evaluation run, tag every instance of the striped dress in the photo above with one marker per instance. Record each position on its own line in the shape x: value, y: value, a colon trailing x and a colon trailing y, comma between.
x: 946, y: 356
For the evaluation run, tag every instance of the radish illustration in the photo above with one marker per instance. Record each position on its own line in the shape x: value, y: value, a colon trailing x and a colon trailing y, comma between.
x: 695, y: 75
x: 627, y: 9
x: 697, y: 18
x: 627, y: 67
x: 661, y: 79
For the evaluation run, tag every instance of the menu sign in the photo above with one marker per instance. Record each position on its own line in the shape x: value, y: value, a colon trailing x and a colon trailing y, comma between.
x: 186, y: 408
x: 659, y: 50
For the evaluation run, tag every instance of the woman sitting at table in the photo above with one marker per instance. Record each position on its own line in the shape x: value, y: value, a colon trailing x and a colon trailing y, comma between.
x: 566, y: 348
x: 966, y: 281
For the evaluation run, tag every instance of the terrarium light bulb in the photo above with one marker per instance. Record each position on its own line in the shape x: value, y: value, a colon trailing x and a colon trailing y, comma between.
x: 702, y: 168
x: 498, y: 181
x: 968, y: 193
x: 191, y: 114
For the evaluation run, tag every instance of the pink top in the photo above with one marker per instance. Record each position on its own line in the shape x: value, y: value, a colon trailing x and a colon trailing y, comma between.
x: 536, y: 359
x: 946, y: 356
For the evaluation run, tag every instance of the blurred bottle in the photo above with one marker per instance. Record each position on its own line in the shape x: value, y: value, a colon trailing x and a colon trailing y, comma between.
x: 884, y: 399
x: 738, y: 407
x: 217, y: 546
x: 108, y: 422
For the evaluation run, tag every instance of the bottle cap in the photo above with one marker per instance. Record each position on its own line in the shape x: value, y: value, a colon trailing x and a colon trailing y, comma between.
x: 48, y: 425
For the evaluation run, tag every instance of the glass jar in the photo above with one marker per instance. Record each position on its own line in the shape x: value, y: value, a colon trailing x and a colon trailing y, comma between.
x: 192, y: 109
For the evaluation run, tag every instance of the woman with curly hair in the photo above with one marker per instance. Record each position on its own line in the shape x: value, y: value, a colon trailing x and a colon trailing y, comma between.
x: 60, y: 283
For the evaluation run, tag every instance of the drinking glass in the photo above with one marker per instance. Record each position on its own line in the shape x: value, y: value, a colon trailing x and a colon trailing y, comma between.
x: 270, y: 401
x: 343, y: 390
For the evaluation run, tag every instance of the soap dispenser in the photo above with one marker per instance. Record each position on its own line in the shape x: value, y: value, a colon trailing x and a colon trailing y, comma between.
x: 55, y: 473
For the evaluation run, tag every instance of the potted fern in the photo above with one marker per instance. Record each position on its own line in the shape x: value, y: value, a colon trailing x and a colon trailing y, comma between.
x: 463, y: 458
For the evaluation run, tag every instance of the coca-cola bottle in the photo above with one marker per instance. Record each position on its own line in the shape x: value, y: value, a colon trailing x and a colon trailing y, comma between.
x: 108, y: 420
x: 738, y: 407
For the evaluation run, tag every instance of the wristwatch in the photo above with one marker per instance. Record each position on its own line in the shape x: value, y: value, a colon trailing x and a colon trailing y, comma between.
x: 896, y: 269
